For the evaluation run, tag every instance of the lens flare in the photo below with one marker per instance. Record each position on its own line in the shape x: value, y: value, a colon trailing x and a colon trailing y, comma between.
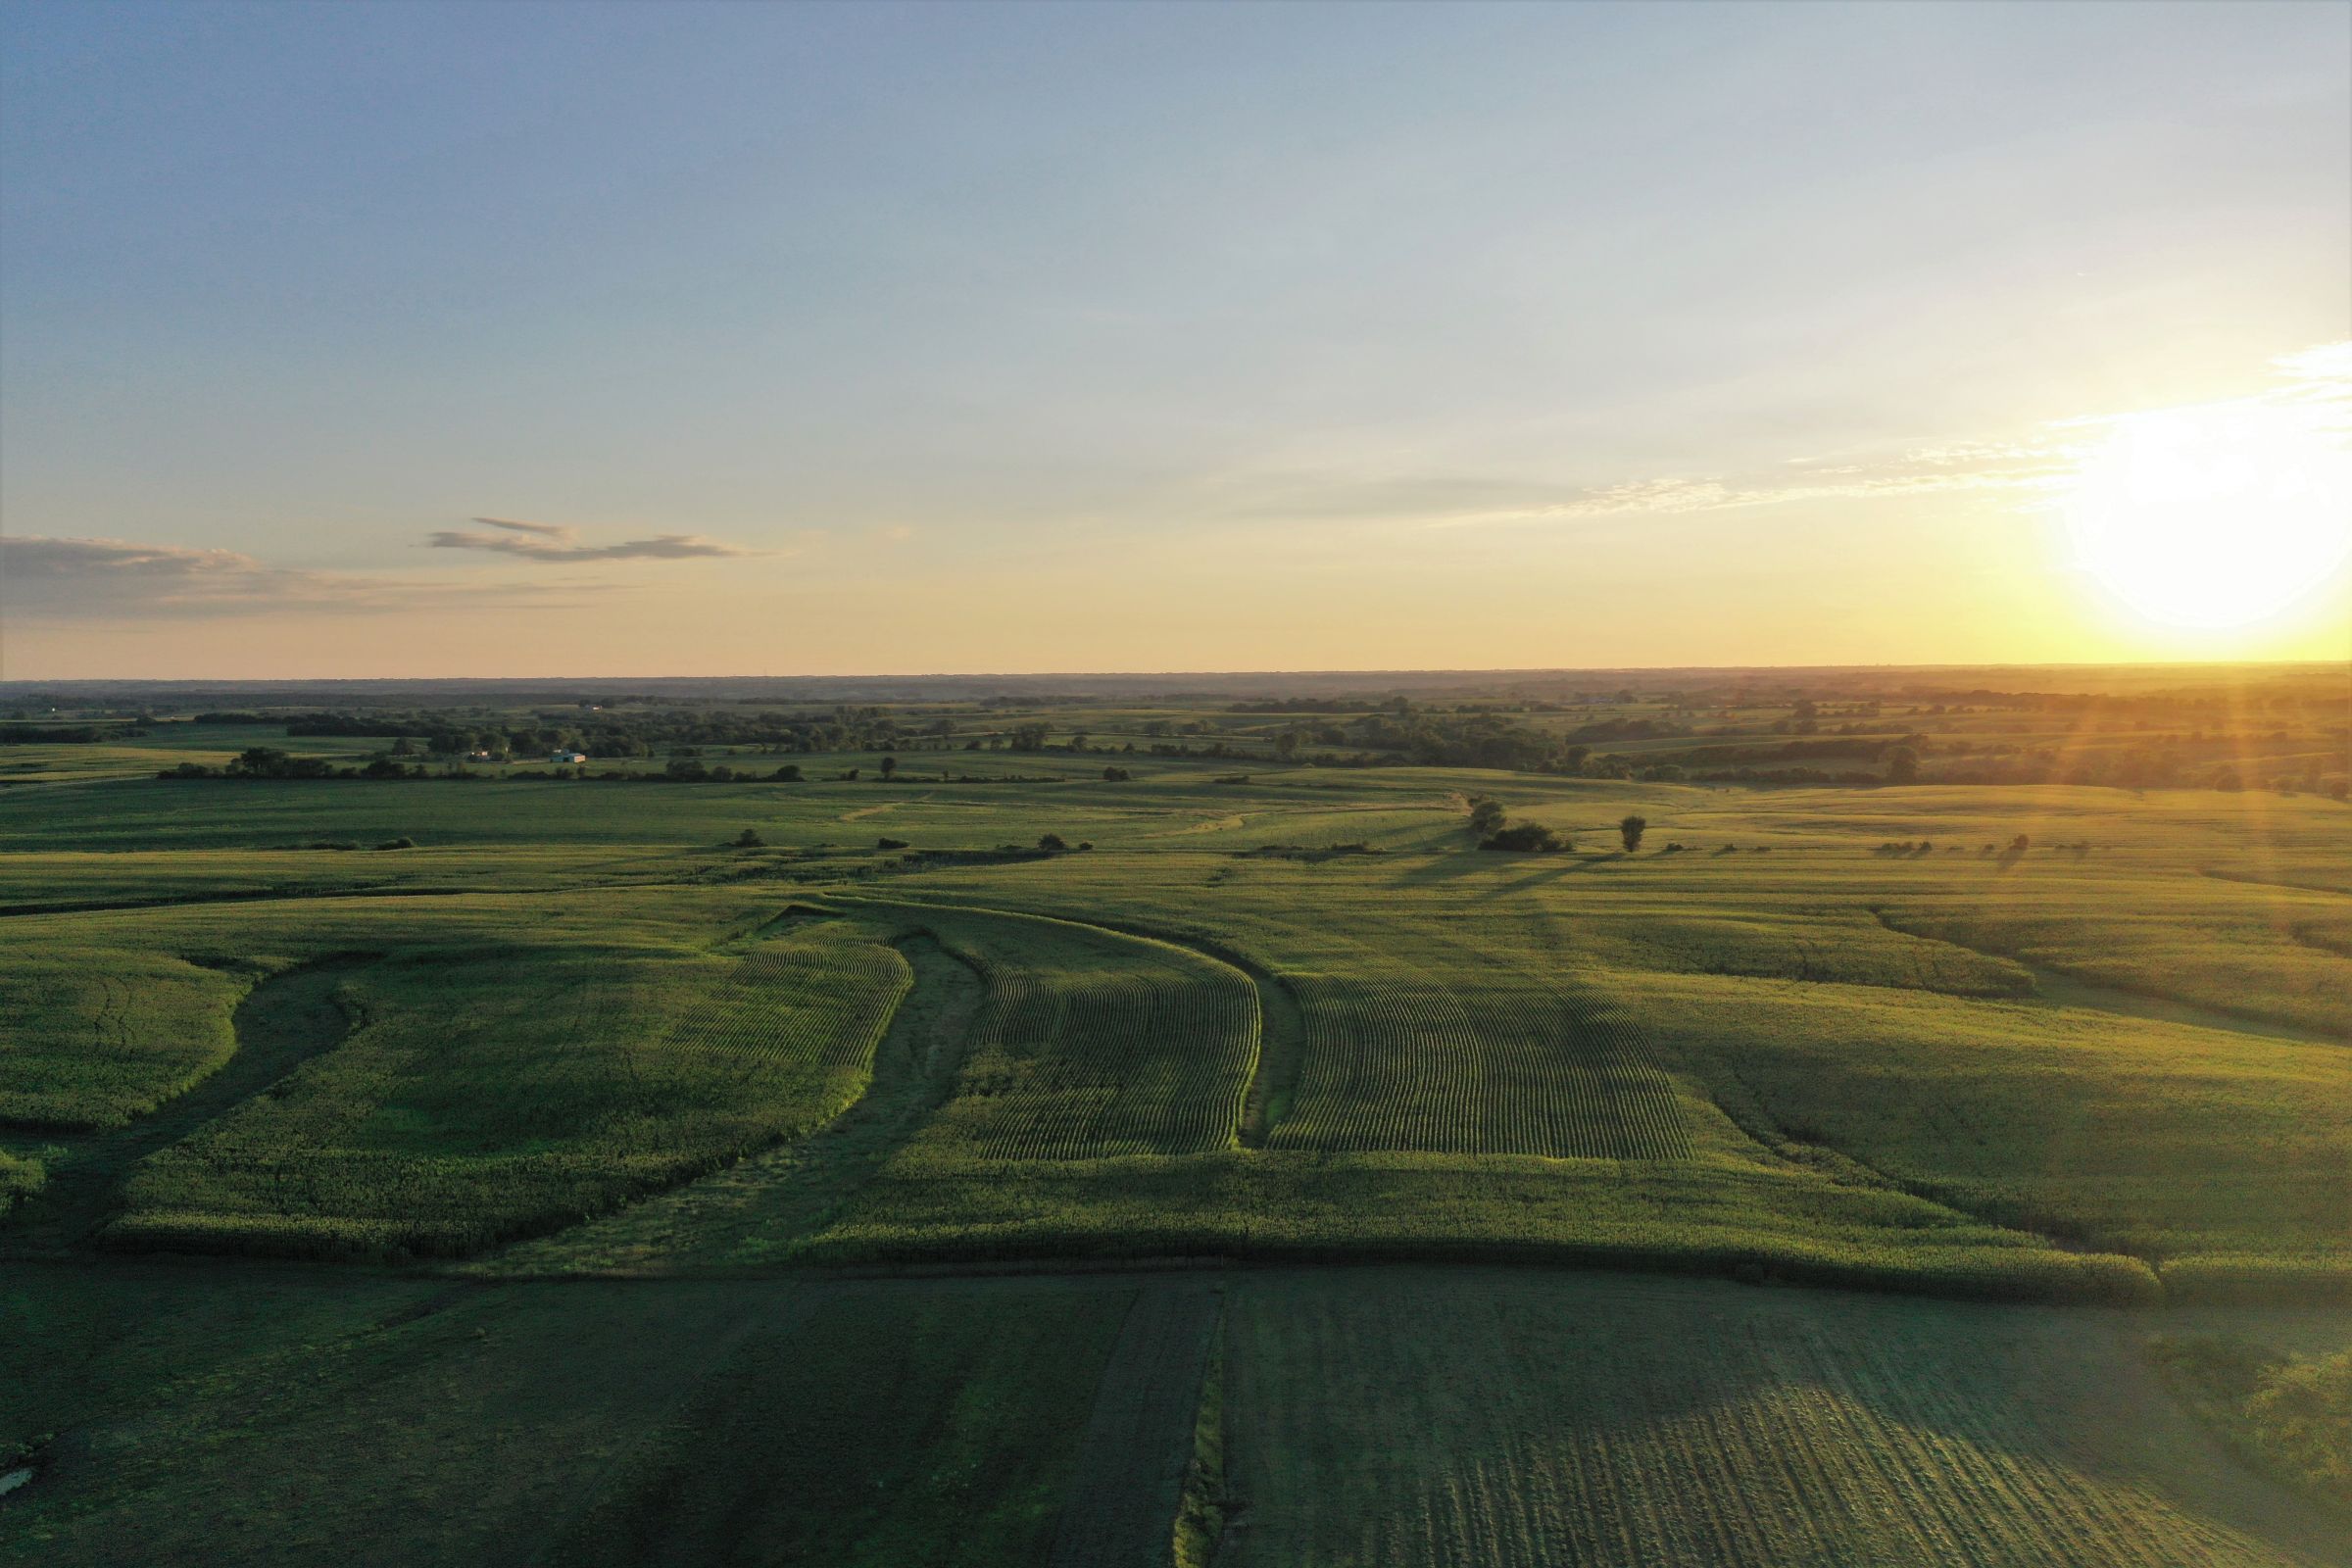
x: 2215, y: 518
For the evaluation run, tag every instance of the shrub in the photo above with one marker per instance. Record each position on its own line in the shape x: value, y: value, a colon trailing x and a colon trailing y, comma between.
x: 1485, y: 817
x: 748, y: 839
x: 890, y: 844
x: 2301, y: 1421
x: 1525, y: 837
x: 398, y: 844
x: 1116, y: 775
x: 1052, y: 843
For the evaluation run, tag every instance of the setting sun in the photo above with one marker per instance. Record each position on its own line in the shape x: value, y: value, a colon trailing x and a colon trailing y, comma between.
x: 2214, y: 517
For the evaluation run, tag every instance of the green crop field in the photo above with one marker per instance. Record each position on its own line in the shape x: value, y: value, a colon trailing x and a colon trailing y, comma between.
x: 915, y: 1164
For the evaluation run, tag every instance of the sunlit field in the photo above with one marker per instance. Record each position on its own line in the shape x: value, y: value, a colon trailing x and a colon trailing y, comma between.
x: 2073, y: 1055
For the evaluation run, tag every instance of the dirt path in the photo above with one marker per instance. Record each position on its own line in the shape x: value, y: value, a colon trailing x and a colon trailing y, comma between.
x: 752, y: 1212
x: 1138, y: 1438
x: 283, y: 1022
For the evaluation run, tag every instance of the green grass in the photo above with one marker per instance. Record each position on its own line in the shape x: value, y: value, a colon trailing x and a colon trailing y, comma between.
x: 1091, y: 1044
x: 1556, y: 1421
x: 886, y: 1427
x: 515, y: 1067
x: 2288, y: 1416
x: 93, y: 1035
x: 265, y: 1416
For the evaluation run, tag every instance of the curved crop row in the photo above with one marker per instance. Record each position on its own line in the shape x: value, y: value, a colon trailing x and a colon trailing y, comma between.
x: 1399, y: 1060
x: 1094, y: 1044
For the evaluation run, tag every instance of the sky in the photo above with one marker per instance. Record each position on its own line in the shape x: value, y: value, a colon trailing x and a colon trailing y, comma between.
x: 599, y: 339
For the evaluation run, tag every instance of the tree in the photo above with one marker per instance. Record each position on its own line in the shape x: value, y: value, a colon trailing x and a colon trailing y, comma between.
x: 1902, y: 764
x: 1630, y: 829
x: 1485, y: 817
x: 1526, y: 837
x: 1052, y: 843
x: 890, y: 765
x: 1028, y: 737
x: 1116, y: 775
x: 748, y: 839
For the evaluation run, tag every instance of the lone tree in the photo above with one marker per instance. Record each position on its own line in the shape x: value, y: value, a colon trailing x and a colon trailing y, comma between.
x: 748, y: 839
x: 1485, y: 817
x: 890, y: 765
x: 1052, y: 843
x: 1630, y: 829
x: 1902, y: 764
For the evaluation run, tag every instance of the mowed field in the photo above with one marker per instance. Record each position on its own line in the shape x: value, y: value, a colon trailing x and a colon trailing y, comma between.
x: 630, y: 1182
x: 1554, y: 1418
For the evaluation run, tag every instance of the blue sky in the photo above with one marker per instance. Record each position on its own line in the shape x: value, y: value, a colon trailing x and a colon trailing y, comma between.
x: 1226, y: 329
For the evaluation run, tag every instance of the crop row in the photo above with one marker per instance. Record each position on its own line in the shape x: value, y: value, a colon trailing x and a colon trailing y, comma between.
x: 1090, y: 1043
x: 1413, y: 1063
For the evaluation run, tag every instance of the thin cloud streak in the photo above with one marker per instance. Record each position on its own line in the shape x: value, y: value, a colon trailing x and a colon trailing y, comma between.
x: 2316, y: 384
x: 99, y: 579
x: 550, y: 542
x: 552, y: 530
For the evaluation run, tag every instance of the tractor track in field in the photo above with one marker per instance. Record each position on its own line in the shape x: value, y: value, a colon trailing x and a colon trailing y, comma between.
x: 1121, y: 1505
x: 283, y: 1022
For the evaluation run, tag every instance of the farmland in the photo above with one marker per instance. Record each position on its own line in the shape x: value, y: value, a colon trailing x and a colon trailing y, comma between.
x: 1802, y: 1179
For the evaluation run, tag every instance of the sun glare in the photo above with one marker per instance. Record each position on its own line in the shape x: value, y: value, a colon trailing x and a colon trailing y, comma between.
x: 2214, y: 517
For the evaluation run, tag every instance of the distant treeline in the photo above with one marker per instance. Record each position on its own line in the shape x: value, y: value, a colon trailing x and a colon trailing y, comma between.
x: 65, y: 734
x: 624, y: 735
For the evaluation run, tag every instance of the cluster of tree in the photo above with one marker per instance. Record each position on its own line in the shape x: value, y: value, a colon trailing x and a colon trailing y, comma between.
x: 1492, y: 832
x: 1313, y: 854
x: 1477, y: 740
x: 648, y: 733
x: 268, y: 763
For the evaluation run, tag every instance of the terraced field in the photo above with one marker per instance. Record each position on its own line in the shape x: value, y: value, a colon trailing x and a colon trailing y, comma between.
x: 1091, y: 1044
x: 513, y: 1071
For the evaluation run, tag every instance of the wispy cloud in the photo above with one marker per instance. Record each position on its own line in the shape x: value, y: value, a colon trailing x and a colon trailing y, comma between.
x: 553, y: 543
x: 2313, y: 388
x: 48, y: 559
x: 551, y: 530
x: 46, y: 578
